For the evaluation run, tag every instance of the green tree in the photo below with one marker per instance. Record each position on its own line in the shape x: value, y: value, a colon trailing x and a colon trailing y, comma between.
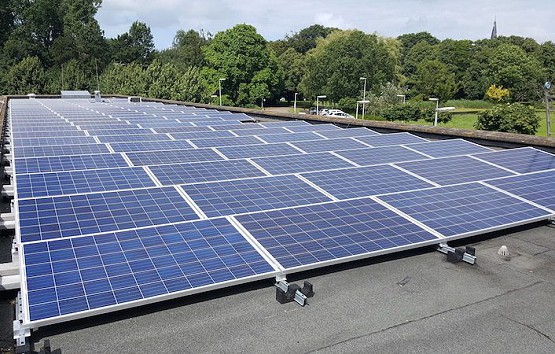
x: 307, y: 38
x: 511, y: 118
x: 457, y: 55
x: 123, y: 79
x: 418, y: 53
x: 334, y: 67
x: 435, y: 80
x: 548, y: 59
x: 243, y: 57
x: 186, y: 50
x: 292, y: 63
x: 137, y: 45
x: 190, y: 86
x: 25, y: 77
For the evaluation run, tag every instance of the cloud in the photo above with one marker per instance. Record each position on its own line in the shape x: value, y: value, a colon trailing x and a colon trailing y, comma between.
x: 330, y: 20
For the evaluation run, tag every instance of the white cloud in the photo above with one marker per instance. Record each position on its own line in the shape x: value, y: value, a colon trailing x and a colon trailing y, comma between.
x: 330, y: 20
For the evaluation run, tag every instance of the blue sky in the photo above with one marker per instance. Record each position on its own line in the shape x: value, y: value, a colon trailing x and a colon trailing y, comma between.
x: 457, y: 19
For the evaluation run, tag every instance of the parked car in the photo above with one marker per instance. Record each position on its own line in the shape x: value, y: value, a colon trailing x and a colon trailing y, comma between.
x: 337, y: 113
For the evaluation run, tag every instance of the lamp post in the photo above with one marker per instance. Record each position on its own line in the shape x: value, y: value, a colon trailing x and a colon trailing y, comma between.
x: 363, y: 96
x: 317, y: 100
x: 295, y: 103
x: 404, y: 97
x: 437, y: 106
x: 220, y: 88
x: 262, y: 100
x: 361, y: 102
x: 546, y: 88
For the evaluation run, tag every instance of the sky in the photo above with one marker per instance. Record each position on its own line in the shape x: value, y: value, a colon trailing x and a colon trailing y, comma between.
x: 456, y: 19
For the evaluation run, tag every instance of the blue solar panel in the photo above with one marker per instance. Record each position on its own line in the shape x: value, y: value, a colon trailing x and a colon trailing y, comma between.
x: 233, y: 141
x: 278, y: 165
x: 315, y: 235
x: 60, y: 150
x: 172, y: 156
x: 348, y: 132
x: 202, y: 134
x: 205, y: 172
x: 244, y: 196
x: 537, y: 187
x: 283, y: 138
x: 260, y: 131
x: 187, y: 129
x: 453, y: 170
x: 43, y: 134
x: 132, y: 138
x: 445, y: 148
x: 62, y: 183
x: 129, y: 131
x: 313, y: 128
x: 151, y: 146
x: 238, y: 152
x: 287, y: 123
x: 365, y: 181
x: 329, y: 145
x: 228, y: 124
x: 84, y: 214
x: 465, y: 210
x: 521, y: 160
x: 68, y: 163
x: 225, y: 126
x: 64, y: 140
x: 381, y: 155
x: 87, y: 273
x: 391, y: 139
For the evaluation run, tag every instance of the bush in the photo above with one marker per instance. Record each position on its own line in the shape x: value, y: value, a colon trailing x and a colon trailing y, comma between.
x: 511, y: 118
x: 404, y: 112
x: 347, y: 104
x: 442, y: 117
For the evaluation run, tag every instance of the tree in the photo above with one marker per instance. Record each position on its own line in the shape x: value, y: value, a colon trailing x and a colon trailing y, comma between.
x: 292, y: 64
x: 306, y: 39
x: 25, y: 77
x: 497, y: 93
x: 186, y: 50
x: 548, y: 59
x: 417, y: 54
x: 457, y: 56
x: 190, y: 86
x: 123, y: 79
x: 334, y: 67
x: 511, y: 118
x: 137, y: 45
x: 435, y: 80
x: 243, y: 57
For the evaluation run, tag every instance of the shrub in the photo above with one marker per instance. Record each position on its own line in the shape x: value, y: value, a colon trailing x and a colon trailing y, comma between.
x: 511, y: 118
x: 404, y: 112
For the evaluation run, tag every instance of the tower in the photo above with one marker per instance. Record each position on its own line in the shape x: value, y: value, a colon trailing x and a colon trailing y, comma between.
x: 494, y: 30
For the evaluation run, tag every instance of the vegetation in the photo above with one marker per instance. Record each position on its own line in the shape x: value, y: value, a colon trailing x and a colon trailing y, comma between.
x: 511, y: 118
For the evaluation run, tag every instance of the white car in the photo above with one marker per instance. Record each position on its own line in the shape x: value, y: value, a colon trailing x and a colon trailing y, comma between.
x: 338, y: 113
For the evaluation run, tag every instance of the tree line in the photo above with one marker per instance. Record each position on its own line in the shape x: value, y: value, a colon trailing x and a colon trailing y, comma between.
x: 50, y: 45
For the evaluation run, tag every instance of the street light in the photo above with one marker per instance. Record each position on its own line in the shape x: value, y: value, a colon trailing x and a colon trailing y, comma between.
x: 404, y: 97
x: 295, y: 104
x: 437, y: 106
x: 363, y: 95
x: 220, y: 88
x: 317, y: 98
x: 361, y: 102
x: 263, y: 100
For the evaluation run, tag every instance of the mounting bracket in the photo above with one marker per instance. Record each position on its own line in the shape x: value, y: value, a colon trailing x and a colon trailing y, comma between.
x: 286, y: 292
x: 20, y: 333
x: 456, y: 255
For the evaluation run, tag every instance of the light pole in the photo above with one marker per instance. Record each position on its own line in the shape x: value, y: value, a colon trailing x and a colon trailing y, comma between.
x: 317, y: 98
x: 362, y: 103
x: 437, y: 106
x: 404, y: 97
x: 220, y: 88
x: 295, y: 104
x: 363, y: 95
x: 262, y: 100
x: 546, y: 88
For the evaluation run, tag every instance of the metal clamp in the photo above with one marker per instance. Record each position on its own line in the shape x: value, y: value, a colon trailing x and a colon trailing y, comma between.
x: 456, y: 255
x: 286, y: 292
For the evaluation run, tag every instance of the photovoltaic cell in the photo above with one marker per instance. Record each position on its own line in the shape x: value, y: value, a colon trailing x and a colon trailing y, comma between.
x: 453, y: 170
x: 381, y: 155
x: 283, y: 138
x: 133, y: 138
x: 244, y: 196
x: 536, y: 187
x: 60, y: 150
x: 348, y: 132
x: 522, y: 160
x: 172, y: 156
x: 287, y: 123
x: 329, y: 145
x: 365, y: 181
x: 313, y: 128
x: 187, y: 129
x: 278, y: 165
x: 68, y: 163
x: 224, y: 126
x: 83, y: 214
x: 466, y: 209
x: 148, y: 146
x: 391, y: 139
x: 452, y: 147
x: 233, y: 141
x: 87, y: 273
x: 205, y: 172
x: 260, y: 131
x: 42, y: 134
x: 76, y: 182
x: 64, y: 140
x: 201, y: 134
x: 312, y: 235
x: 238, y: 152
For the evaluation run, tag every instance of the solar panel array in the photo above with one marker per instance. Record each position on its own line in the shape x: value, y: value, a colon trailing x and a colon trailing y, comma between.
x: 120, y: 204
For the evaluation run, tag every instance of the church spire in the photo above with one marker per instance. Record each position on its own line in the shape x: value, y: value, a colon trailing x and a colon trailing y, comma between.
x: 494, y: 30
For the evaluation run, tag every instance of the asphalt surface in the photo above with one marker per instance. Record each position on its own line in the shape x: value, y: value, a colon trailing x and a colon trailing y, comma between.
x: 413, y: 302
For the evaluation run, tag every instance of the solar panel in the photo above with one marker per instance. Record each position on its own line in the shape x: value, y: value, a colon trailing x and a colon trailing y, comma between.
x: 278, y: 165
x: 465, y: 210
x: 64, y: 140
x: 365, y: 181
x: 453, y: 170
x: 537, y: 187
x: 131, y: 137
x: 283, y: 138
x: 255, y: 194
x: 233, y: 141
x: 452, y: 147
x: 224, y: 126
x: 313, y: 128
x: 79, y: 275
x: 63, y: 183
x: 201, y: 134
x: 43, y: 134
x: 329, y: 145
x: 260, y: 131
x: 68, y: 163
x: 59, y: 150
x: 172, y: 156
x: 391, y: 139
x: 347, y: 133
x: 381, y: 155
x: 129, y: 131
x: 187, y: 129
x: 205, y: 172
x: 85, y: 214
x: 151, y: 146
x: 521, y: 160
x: 319, y: 235
x: 238, y: 152
x: 287, y: 123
